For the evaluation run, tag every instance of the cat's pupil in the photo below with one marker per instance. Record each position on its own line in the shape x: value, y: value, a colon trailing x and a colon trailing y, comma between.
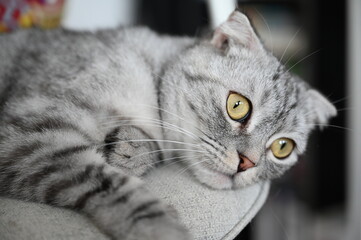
x: 236, y: 104
x: 283, y: 144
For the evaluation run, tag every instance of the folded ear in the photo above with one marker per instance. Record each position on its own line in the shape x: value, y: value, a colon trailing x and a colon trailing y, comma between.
x: 238, y: 29
x: 323, y: 109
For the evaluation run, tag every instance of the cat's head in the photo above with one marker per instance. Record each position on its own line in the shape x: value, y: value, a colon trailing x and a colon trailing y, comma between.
x: 247, y: 116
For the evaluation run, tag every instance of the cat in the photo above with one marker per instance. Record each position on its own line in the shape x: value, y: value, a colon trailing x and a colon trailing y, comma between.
x: 85, y: 115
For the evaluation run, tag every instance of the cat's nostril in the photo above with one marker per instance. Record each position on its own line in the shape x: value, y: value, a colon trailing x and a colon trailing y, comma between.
x: 244, y: 163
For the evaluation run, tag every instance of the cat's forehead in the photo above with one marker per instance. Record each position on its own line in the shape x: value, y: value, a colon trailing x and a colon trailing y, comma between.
x: 256, y: 76
x: 244, y: 69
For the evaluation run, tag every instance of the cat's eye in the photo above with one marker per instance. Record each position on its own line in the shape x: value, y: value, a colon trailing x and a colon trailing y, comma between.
x: 238, y: 107
x: 282, y: 147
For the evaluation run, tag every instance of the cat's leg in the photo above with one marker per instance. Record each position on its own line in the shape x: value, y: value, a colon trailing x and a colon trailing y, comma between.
x: 58, y: 164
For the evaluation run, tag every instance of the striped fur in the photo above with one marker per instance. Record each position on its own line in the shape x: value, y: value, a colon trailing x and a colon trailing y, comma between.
x: 84, y: 115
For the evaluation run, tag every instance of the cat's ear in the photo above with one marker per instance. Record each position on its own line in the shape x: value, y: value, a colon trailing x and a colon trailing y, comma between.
x: 238, y: 29
x: 322, y: 108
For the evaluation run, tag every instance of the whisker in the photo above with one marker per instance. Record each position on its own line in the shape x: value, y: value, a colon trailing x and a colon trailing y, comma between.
x: 340, y: 100
x: 150, y: 140
x: 167, y: 150
x: 280, y: 223
x: 189, y: 166
x: 165, y: 160
x: 175, y: 162
x: 169, y: 159
x: 186, y: 158
x: 158, y: 120
x: 151, y: 125
x: 330, y: 125
x: 345, y: 109
x: 289, y: 43
x: 269, y: 30
x: 173, y: 114
x: 294, y: 54
x: 160, y: 123
x: 309, y: 113
x: 309, y: 55
x: 166, y: 111
x: 116, y: 119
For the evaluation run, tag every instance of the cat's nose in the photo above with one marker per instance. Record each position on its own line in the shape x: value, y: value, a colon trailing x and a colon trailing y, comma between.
x: 244, y: 163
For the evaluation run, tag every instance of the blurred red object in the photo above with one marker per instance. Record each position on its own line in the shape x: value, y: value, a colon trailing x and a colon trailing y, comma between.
x: 27, y: 13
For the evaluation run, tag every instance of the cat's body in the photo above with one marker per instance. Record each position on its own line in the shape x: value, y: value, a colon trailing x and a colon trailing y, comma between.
x: 92, y: 83
x: 70, y: 108
x: 83, y: 115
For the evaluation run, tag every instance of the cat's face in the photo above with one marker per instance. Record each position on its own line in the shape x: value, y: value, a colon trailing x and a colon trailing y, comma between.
x: 247, y: 116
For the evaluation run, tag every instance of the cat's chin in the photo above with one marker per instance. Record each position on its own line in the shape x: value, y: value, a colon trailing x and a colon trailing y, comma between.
x: 213, y: 179
x: 218, y: 180
x: 246, y: 178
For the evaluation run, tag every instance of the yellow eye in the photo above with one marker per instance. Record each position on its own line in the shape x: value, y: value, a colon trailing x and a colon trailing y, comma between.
x: 282, y: 147
x: 238, y: 107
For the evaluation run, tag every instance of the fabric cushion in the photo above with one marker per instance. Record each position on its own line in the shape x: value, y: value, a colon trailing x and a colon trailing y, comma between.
x: 208, y: 214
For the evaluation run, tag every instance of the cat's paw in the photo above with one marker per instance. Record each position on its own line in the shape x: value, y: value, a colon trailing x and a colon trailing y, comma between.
x: 132, y: 150
x: 162, y: 228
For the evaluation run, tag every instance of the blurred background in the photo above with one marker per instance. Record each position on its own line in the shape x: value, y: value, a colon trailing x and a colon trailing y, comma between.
x: 320, y: 197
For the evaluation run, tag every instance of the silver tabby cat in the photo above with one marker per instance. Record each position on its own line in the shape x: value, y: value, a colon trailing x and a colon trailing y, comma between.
x: 84, y: 115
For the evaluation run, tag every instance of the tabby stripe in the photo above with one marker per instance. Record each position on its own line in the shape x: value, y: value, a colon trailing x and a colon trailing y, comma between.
x: 122, y: 182
x: 265, y: 97
x: 215, y: 140
x: 110, y: 138
x: 278, y: 73
x: 37, y: 177
x: 148, y: 216
x: 123, y: 198
x: 297, y: 94
x: 158, y: 86
x: 77, y: 179
x: 82, y: 201
x: 8, y: 162
x: 295, y: 122
x: 142, y: 208
x: 10, y: 80
x: 70, y: 151
x: 49, y: 124
x: 294, y: 105
x: 19, y: 152
x: 197, y: 78
x: 221, y: 116
x: 201, y: 117
x: 47, y: 170
x: 217, y: 149
x: 281, y: 112
x: 212, y: 153
x: 9, y: 178
x: 252, y: 88
x: 83, y: 105
x: 276, y: 76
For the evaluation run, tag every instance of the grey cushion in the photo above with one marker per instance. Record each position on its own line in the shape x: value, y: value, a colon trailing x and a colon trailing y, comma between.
x: 208, y: 214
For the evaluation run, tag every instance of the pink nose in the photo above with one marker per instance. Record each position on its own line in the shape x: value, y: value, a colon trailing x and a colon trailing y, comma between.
x: 244, y: 163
